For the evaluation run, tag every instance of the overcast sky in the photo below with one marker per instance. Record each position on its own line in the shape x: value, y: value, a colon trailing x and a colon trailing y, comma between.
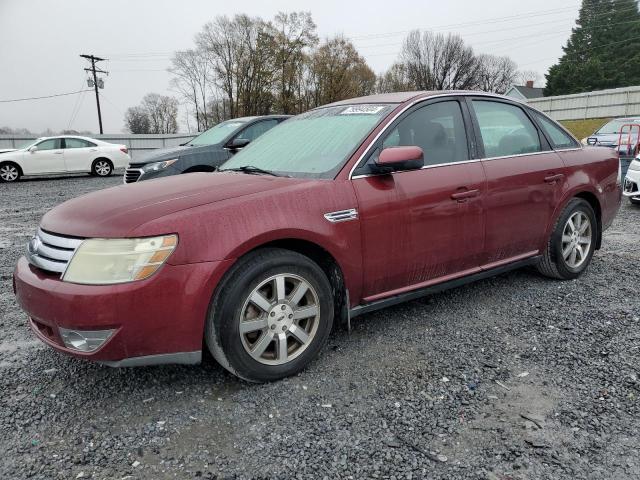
x: 40, y: 41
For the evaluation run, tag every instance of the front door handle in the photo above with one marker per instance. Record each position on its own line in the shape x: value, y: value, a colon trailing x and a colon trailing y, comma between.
x: 461, y: 196
x: 554, y: 178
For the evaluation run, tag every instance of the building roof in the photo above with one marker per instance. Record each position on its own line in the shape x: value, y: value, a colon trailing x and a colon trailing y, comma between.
x: 528, y: 92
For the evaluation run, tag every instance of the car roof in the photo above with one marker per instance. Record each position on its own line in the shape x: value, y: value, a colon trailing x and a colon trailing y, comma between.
x: 402, y: 97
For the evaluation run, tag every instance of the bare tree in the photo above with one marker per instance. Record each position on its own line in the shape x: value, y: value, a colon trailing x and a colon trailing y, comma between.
x: 434, y: 61
x: 496, y: 74
x: 192, y: 80
x: 294, y: 35
x: 162, y: 112
x: 525, y: 76
x: 240, y: 52
x: 337, y: 72
x: 395, y: 79
x: 136, y: 120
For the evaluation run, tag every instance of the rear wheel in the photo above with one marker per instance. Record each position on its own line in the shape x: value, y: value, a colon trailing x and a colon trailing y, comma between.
x: 572, y: 242
x: 102, y: 167
x: 9, y: 172
x: 271, y: 317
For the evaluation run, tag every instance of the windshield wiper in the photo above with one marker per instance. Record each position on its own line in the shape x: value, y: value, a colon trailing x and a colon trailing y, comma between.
x: 251, y: 169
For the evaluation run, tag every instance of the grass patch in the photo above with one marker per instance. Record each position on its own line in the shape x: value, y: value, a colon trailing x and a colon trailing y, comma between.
x: 584, y: 128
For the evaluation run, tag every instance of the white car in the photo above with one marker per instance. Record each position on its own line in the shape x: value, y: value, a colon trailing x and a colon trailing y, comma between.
x: 631, y: 187
x: 63, y: 154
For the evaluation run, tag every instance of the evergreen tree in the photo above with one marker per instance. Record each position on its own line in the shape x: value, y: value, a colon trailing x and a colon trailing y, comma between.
x: 603, y: 50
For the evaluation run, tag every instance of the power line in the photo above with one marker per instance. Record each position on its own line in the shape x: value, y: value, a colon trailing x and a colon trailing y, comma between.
x: 43, y: 97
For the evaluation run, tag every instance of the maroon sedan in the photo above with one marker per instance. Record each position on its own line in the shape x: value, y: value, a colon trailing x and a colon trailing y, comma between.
x: 339, y: 211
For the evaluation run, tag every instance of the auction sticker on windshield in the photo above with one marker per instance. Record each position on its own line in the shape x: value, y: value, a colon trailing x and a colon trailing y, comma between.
x: 363, y: 110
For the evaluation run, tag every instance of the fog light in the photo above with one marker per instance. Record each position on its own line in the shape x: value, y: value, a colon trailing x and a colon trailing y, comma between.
x: 84, y: 340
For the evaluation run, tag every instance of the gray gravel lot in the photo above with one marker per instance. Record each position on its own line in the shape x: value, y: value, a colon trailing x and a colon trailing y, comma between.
x: 516, y: 377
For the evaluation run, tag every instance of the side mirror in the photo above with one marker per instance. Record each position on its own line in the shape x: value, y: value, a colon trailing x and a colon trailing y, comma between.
x: 393, y: 159
x: 33, y: 148
x: 238, y: 143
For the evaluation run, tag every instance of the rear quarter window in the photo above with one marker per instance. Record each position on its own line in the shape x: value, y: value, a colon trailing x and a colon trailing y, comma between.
x: 558, y: 137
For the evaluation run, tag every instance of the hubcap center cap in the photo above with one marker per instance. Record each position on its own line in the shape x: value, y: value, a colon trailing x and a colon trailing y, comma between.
x: 280, y: 316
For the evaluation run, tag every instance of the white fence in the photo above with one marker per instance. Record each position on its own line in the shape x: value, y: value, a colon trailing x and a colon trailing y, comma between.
x: 138, y: 144
x: 615, y: 102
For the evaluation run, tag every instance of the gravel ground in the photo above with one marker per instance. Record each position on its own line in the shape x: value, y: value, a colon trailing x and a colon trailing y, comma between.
x: 515, y: 377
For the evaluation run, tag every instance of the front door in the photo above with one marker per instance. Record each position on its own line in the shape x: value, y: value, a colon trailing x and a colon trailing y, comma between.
x: 422, y: 226
x: 46, y: 158
x: 524, y: 180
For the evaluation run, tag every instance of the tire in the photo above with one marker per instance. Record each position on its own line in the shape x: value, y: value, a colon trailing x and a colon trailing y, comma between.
x: 282, y: 336
x: 559, y: 260
x: 9, y: 172
x: 102, y: 167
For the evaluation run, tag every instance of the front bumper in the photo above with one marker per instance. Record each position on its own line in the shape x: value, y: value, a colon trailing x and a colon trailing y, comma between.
x: 631, y: 185
x: 157, y: 320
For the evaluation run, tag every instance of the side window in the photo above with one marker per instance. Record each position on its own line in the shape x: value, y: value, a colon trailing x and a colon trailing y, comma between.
x: 559, y: 138
x: 50, y: 144
x: 505, y: 129
x: 257, y: 129
x: 437, y: 128
x: 77, y: 143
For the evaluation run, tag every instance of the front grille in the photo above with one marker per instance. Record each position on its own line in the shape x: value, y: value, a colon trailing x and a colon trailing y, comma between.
x: 50, y: 251
x: 131, y: 175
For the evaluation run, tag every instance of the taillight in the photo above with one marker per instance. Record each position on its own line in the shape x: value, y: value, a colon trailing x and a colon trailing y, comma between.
x: 124, y: 150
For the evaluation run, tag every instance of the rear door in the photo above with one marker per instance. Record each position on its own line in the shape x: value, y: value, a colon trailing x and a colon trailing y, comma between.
x: 48, y: 158
x: 78, y: 154
x: 524, y: 180
x: 422, y: 226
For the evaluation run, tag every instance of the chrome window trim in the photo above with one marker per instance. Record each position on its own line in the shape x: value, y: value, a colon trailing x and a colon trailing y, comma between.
x: 443, y: 95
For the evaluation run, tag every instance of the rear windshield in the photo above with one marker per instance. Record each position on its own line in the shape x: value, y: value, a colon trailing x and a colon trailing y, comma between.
x: 315, y: 144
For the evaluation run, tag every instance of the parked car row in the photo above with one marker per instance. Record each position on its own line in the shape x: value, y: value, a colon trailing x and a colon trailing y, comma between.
x: 339, y: 211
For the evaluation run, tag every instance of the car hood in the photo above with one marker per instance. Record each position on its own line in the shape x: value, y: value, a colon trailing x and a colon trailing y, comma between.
x: 175, y: 152
x: 117, y: 211
x: 7, y: 150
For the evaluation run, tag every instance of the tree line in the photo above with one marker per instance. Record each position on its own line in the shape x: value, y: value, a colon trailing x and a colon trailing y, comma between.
x: 243, y: 65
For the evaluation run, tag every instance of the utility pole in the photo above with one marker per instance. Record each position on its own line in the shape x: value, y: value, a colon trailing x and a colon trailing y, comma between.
x: 93, y: 59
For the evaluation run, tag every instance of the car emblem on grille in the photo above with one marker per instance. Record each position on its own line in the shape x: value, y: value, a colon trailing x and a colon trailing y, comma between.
x: 33, y: 245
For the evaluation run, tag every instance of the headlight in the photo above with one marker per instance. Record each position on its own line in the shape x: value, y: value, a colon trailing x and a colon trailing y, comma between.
x: 157, y: 166
x: 108, y: 261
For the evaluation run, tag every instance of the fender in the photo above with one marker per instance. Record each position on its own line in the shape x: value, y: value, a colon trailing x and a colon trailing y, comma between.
x: 567, y: 196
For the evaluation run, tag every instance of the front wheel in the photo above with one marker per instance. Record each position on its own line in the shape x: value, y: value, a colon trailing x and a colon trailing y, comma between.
x: 271, y: 317
x: 102, y: 167
x: 9, y: 172
x: 572, y: 242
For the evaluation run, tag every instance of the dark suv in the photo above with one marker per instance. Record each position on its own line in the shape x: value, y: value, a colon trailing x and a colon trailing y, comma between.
x: 204, y: 152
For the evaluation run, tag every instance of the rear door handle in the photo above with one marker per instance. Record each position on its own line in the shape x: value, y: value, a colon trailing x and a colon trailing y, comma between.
x: 462, y: 196
x: 554, y: 178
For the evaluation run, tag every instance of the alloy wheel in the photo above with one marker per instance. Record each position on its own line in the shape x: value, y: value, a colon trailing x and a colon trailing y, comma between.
x: 103, y: 168
x: 279, y: 319
x: 9, y: 173
x: 576, y: 239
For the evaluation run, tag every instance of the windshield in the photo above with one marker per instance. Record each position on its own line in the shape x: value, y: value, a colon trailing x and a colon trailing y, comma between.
x: 315, y: 144
x: 26, y: 144
x: 614, y: 126
x: 216, y: 134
